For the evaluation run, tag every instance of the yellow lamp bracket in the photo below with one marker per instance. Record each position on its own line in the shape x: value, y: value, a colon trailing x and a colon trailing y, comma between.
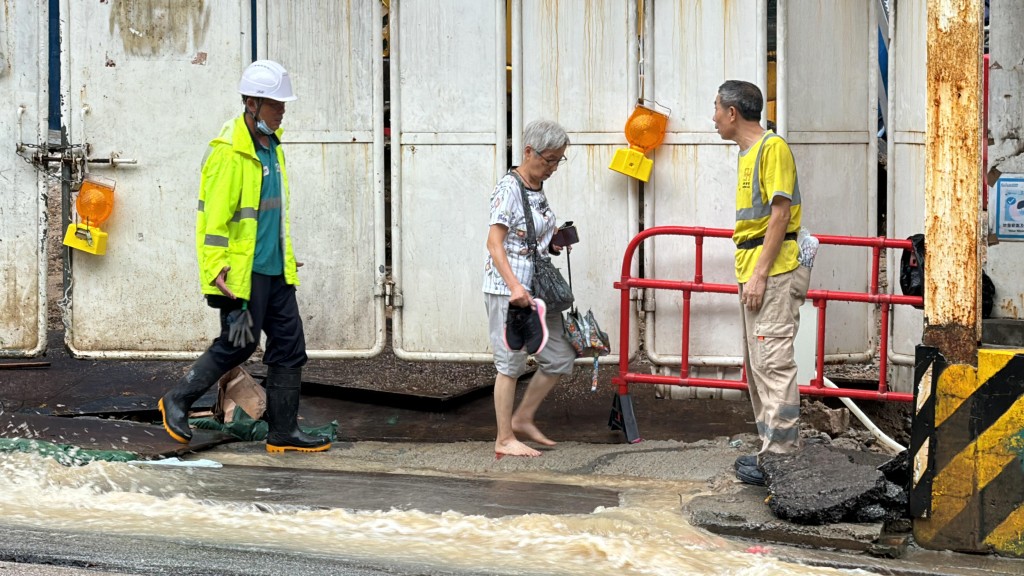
x: 94, y: 204
x: 86, y: 238
x: 645, y: 130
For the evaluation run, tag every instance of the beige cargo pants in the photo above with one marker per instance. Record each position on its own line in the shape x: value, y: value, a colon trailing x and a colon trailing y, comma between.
x: 768, y: 355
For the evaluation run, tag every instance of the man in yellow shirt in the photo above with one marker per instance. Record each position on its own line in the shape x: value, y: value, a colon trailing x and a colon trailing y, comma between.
x: 772, y: 283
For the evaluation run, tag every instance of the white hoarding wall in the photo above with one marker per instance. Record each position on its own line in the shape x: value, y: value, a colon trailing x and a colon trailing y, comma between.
x: 152, y: 85
x: 22, y: 204
x: 694, y: 177
x: 335, y: 155
x: 155, y: 86
x: 579, y: 63
x: 448, y: 126
x: 456, y: 116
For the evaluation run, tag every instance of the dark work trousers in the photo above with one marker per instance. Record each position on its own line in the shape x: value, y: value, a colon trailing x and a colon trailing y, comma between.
x: 274, y: 311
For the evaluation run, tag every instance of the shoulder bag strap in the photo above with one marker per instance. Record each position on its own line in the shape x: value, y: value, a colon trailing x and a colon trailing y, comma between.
x: 531, y: 235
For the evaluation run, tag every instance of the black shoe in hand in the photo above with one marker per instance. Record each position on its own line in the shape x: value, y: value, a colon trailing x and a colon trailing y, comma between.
x: 525, y: 327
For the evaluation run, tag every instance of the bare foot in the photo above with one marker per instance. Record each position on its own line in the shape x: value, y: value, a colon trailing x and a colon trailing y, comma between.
x: 531, y: 431
x: 514, y: 448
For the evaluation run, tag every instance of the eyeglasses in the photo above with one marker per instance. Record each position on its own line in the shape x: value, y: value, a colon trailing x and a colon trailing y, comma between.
x: 552, y: 162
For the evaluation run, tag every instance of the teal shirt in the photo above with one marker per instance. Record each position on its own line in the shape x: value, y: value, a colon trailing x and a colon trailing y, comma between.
x: 269, y: 258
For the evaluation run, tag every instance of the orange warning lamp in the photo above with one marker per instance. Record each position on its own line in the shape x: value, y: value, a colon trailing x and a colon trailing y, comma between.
x: 94, y: 204
x: 644, y: 130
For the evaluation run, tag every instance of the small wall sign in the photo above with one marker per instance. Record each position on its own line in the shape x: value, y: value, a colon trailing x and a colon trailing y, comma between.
x: 1010, y: 207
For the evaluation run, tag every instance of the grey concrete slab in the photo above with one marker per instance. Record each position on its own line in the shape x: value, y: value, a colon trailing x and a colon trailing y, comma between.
x: 146, y: 440
x: 744, y: 514
x: 277, y: 487
x: 1008, y: 332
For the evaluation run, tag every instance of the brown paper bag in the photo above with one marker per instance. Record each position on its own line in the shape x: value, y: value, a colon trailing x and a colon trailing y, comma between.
x: 239, y: 389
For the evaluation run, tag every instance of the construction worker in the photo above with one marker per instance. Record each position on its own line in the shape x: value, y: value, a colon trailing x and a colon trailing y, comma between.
x: 772, y: 282
x: 247, y: 268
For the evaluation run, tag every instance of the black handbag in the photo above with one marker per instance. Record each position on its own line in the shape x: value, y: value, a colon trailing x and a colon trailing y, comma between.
x: 548, y: 283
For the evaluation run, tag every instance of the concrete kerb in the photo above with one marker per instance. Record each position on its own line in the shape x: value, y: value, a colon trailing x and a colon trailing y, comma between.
x: 658, y: 463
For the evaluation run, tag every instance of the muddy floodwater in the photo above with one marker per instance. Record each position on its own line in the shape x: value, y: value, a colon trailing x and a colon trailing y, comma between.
x: 645, y: 534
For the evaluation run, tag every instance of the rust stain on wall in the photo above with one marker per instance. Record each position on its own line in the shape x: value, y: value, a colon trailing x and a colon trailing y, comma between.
x: 154, y: 27
x: 1010, y: 308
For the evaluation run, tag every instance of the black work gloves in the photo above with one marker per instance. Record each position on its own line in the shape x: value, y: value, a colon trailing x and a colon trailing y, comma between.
x: 240, y: 328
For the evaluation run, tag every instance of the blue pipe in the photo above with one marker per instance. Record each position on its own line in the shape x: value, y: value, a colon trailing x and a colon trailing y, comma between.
x: 53, y: 57
x: 252, y: 31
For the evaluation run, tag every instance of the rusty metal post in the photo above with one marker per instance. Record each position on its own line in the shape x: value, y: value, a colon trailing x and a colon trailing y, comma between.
x: 953, y: 178
x: 951, y: 468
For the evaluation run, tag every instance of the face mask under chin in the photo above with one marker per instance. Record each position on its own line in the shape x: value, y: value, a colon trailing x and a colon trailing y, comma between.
x: 262, y: 127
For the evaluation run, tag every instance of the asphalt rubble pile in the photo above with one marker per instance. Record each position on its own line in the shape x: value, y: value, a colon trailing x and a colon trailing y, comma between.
x: 825, y: 484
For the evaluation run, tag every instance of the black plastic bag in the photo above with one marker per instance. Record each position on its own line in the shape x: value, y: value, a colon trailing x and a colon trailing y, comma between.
x: 912, y: 268
x: 988, y: 295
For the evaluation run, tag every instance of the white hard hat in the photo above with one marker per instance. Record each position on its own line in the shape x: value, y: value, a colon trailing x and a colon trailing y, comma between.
x: 266, y: 79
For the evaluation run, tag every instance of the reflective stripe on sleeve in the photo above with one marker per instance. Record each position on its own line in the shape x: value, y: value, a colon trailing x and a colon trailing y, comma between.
x: 213, y: 240
x: 245, y: 213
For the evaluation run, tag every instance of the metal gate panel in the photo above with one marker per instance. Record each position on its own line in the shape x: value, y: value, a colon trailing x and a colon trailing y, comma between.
x: 334, y: 135
x: 448, y: 131
x: 906, y: 201
x: 442, y: 243
x: 578, y: 64
x: 153, y: 84
x: 692, y: 47
x: 334, y: 230
x: 23, y: 74
x: 833, y: 47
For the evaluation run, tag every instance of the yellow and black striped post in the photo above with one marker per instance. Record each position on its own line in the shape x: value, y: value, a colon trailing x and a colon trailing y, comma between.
x: 967, y: 453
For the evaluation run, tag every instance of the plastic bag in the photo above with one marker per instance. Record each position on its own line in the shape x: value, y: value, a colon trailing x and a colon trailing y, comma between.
x: 587, y: 339
x: 808, y: 248
x: 988, y: 295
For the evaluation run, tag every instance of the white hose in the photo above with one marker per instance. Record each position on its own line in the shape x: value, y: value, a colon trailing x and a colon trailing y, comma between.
x: 885, y: 439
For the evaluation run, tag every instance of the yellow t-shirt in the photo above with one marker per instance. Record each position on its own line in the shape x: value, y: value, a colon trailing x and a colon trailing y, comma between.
x: 771, y: 159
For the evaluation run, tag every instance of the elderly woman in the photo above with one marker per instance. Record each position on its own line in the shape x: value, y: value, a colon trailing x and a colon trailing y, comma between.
x: 507, y: 282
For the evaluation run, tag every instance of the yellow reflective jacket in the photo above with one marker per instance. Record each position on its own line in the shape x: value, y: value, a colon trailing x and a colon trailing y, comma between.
x: 229, y: 200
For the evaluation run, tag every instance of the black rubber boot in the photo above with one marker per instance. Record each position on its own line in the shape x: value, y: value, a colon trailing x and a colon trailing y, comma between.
x: 745, y: 460
x: 175, y: 404
x: 283, y: 387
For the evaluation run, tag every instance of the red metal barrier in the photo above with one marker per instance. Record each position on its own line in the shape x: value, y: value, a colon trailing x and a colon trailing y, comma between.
x: 622, y: 416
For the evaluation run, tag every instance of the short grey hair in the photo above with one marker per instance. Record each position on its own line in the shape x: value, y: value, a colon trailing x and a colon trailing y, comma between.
x: 544, y: 135
x: 743, y: 96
